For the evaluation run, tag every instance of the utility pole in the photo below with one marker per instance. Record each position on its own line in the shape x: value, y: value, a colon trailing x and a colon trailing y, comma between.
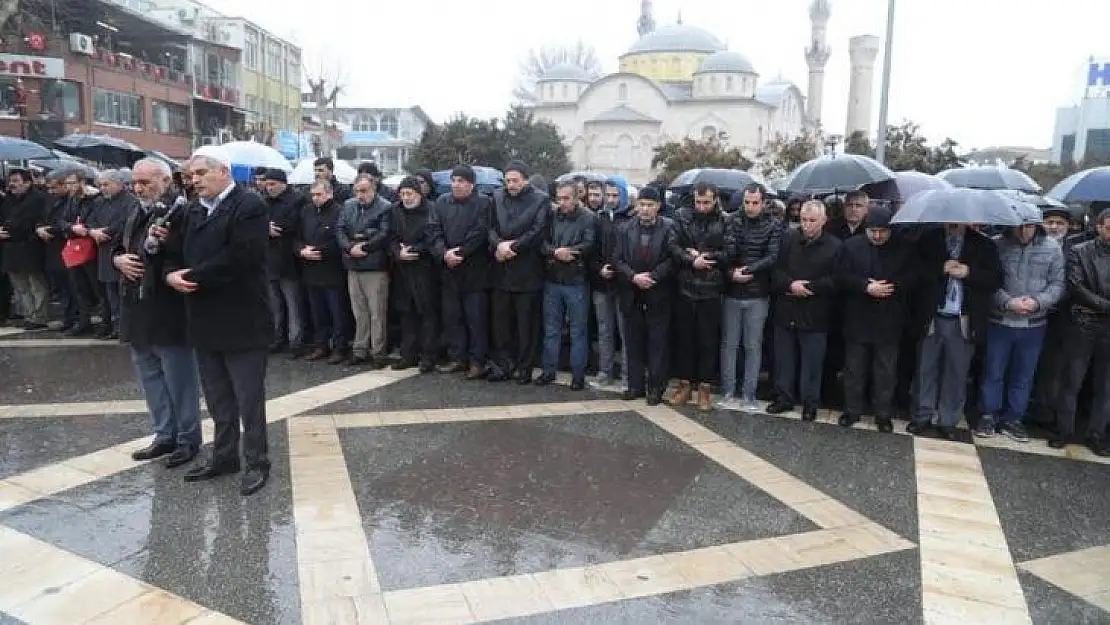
x: 884, y: 103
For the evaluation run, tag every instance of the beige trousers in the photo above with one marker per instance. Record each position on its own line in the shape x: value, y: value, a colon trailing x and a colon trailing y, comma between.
x: 370, y: 305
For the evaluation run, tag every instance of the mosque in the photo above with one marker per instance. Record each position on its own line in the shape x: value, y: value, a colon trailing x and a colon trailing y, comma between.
x: 681, y: 81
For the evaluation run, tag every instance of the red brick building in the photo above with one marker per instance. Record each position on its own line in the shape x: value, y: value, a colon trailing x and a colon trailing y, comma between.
x: 119, y: 74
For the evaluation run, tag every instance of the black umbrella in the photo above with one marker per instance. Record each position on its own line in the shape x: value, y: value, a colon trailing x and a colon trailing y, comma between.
x: 588, y: 176
x: 837, y: 172
x: 960, y: 206
x: 728, y: 181
x: 100, y: 148
x: 171, y: 163
x: 991, y: 178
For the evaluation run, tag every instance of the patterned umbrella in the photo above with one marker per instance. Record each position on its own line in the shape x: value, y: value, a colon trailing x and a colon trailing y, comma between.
x: 990, y: 177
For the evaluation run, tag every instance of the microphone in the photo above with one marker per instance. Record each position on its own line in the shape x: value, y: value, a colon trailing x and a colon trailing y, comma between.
x: 153, y: 245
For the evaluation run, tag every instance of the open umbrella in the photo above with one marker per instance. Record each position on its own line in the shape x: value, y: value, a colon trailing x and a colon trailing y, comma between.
x: 13, y: 149
x: 836, y: 172
x: 100, y: 148
x: 171, y: 163
x: 253, y: 154
x: 990, y: 177
x: 588, y: 176
x: 910, y: 183
x: 960, y: 206
x: 304, y: 172
x: 66, y: 164
x: 1089, y: 185
x: 727, y: 180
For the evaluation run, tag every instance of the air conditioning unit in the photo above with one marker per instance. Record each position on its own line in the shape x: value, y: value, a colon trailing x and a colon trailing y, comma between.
x: 82, y: 44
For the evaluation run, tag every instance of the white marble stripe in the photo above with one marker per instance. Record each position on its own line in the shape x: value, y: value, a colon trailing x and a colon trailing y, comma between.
x: 1041, y: 448
x: 481, y: 413
x: 72, y: 409
x: 44, y: 585
x: 45, y: 481
x: 1084, y: 573
x: 967, y: 572
x: 11, y: 331
x: 13, y: 343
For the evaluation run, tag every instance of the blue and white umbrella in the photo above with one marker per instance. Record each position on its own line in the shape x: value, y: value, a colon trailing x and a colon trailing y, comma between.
x: 254, y: 155
x: 1089, y: 185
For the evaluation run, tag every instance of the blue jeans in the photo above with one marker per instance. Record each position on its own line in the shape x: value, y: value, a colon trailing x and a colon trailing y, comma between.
x: 610, y: 323
x: 569, y: 304
x: 329, y: 317
x: 1009, y: 369
x: 742, y: 322
x: 168, y: 375
x: 285, y: 308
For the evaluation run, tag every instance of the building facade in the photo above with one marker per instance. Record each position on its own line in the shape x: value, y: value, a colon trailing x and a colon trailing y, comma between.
x: 1082, y: 131
x: 70, y: 70
x: 674, y: 82
x: 385, y: 136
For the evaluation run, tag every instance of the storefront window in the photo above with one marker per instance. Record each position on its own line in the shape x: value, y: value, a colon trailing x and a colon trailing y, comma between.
x: 119, y: 109
x: 13, y: 95
x: 169, y: 119
x: 61, y: 99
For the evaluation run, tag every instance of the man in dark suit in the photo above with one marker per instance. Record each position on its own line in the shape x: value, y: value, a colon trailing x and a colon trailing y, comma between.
x: 217, y: 258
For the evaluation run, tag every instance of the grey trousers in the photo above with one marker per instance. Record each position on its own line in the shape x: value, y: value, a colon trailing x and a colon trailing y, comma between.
x: 234, y: 386
x: 742, y: 323
x: 609, y: 321
x: 942, y: 372
x: 370, y: 304
x: 32, y: 295
x: 285, y: 308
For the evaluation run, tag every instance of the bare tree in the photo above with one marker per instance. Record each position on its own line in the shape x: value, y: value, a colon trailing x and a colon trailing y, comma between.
x: 540, y: 60
x: 325, y: 85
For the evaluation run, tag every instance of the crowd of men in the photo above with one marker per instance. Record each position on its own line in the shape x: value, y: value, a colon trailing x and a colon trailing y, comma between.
x: 212, y: 277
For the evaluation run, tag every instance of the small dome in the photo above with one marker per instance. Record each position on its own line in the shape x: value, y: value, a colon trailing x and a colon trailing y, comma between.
x: 565, y: 71
x: 727, y: 61
x: 677, y: 38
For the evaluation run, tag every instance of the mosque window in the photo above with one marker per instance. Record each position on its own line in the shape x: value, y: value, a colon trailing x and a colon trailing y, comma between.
x: 709, y: 133
x: 622, y: 91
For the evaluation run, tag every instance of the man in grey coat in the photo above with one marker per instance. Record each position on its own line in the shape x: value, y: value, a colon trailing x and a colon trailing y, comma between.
x: 1034, y: 280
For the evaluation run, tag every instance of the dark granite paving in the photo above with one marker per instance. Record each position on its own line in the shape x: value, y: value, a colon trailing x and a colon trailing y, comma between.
x: 1050, y: 605
x: 37, y: 375
x: 203, y: 542
x: 434, y: 390
x: 33, y: 442
x: 879, y: 590
x: 1048, y: 506
x: 869, y: 472
x: 446, y: 503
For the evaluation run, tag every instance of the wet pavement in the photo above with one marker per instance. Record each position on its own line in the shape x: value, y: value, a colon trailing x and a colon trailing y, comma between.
x: 403, y: 498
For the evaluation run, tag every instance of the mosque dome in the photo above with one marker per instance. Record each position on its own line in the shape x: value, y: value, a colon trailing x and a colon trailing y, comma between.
x: 726, y: 62
x: 677, y: 38
x: 565, y: 72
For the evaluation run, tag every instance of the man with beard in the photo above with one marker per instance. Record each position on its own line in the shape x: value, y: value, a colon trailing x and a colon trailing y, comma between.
x: 363, y: 235
x: 1087, y: 340
x: 520, y: 214
x: 106, y: 227
x: 417, y: 277
x: 642, y: 260
x: 284, y: 206
x: 699, y: 255
x: 610, y: 323
x: 805, y: 279
x: 566, y: 247
x: 217, y: 259
x: 323, y: 275
x: 51, y: 232
x: 21, y: 250
x: 876, y: 276
x: 152, y: 321
x: 458, y: 233
x: 595, y: 195
x: 86, y: 285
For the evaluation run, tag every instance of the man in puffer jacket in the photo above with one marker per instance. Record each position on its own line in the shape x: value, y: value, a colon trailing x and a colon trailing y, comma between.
x: 1034, y: 280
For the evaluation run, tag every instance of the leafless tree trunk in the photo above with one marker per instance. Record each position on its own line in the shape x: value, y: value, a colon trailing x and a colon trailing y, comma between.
x: 325, y: 87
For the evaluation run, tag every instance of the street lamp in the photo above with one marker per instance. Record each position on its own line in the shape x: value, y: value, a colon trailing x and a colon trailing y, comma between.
x: 880, y: 140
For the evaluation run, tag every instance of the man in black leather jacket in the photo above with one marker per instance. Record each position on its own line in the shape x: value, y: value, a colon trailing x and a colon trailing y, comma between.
x: 363, y: 235
x: 1087, y: 343
x: 566, y: 249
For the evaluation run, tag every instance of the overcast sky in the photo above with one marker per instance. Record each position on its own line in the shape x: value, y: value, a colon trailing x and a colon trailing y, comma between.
x: 985, y: 72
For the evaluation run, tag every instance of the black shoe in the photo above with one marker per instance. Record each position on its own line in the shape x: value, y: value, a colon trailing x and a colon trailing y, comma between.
x: 103, y: 334
x: 31, y: 326
x: 847, y: 420
x: 917, y: 428
x: 1058, y: 442
x: 403, y: 364
x: 809, y: 413
x: 577, y: 384
x: 884, y: 424
x: 524, y: 376
x: 947, y: 432
x: 1098, y: 446
x: 277, y: 348
x: 655, y: 397
x: 154, y: 450
x: 253, y: 480
x: 427, y: 366
x: 80, y: 329
x: 778, y: 407
x: 455, y: 366
x: 496, y: 375
x: 180, y: 456
x: 545, y: 379
x: 354, y: 360
x: 296, y: 353
x: 208, y: 471
x: 630, y: 395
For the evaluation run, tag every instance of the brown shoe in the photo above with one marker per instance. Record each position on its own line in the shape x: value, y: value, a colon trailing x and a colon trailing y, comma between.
x: 476, y: 372
x: 317, y: 353
x: 704, y: 404
x: 681, y: 395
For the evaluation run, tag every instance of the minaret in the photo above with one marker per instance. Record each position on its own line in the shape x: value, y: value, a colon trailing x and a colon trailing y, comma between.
x: 646, y: 23
x: 863, y: 50
x: 817, y: 55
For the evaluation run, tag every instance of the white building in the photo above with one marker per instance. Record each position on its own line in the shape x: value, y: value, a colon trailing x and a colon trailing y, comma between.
x: 385, y: 136
x: 675, y: 82
x: 1082, y: 131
